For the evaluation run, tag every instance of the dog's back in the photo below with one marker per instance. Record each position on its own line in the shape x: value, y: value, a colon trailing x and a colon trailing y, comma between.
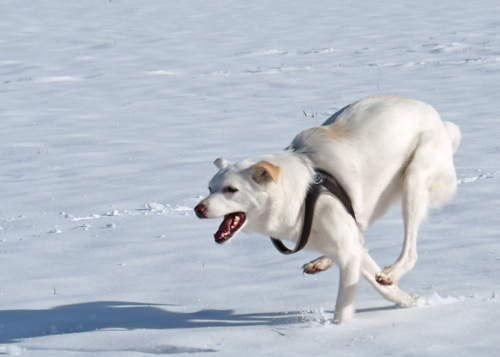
x: 369, y: 144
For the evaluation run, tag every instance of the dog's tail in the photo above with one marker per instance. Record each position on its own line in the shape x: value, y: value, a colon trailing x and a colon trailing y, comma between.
x: 455, y: 135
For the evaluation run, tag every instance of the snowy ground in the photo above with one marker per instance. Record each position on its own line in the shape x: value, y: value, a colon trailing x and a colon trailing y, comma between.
x: 111, y: 115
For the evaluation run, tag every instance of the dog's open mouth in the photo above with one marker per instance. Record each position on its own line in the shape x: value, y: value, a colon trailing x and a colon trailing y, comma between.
x: 230, y: 225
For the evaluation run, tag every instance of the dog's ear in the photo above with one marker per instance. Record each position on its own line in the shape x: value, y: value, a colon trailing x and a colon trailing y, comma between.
x: 222, y: 163
x: 264, y: 172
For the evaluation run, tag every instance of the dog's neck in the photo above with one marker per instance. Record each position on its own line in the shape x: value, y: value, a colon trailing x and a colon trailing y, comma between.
x: 283, y: 217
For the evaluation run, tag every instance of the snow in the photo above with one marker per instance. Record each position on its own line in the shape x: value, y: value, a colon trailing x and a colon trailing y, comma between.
x: 112, y: 113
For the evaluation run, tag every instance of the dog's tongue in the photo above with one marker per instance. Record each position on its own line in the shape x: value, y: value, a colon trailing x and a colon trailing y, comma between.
x: 224, y: 231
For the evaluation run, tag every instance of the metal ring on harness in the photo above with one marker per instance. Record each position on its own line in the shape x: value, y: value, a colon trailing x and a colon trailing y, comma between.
x: 323, y: 182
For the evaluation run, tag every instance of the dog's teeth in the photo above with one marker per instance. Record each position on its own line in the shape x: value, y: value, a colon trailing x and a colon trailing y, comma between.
x: 236, y: 220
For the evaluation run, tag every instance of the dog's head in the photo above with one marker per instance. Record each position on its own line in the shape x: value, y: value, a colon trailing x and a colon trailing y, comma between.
x: 239, y: 192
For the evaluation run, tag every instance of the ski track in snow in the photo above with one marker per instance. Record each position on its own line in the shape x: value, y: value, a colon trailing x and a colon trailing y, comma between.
x: 152, y: 208
x: 148, y: 208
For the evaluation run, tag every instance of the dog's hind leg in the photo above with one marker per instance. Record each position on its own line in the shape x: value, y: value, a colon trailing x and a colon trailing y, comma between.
x: 390, y: 292
x: 428, y: 180
x: 415, y: 204
x: 318, y: 265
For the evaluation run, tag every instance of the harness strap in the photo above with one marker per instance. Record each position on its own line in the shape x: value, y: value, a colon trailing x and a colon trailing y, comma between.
x: 323, y: 182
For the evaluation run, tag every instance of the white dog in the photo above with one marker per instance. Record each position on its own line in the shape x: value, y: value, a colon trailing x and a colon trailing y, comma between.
x: 380, y: 150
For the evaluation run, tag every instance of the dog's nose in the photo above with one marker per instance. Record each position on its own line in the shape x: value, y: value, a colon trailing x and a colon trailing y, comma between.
x: 201, y: 210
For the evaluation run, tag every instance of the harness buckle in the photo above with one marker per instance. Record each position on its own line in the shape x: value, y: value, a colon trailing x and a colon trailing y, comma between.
x: 318, y: 179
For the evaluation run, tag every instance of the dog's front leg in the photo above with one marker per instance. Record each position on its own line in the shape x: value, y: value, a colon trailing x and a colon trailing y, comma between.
x: 349, y: 267
x: 318, y: 265
x: 336, y: 235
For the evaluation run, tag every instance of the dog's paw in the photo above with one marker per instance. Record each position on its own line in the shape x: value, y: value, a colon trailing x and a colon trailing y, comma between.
x: 342, y: 316
x: 317, y: 265
x: 383, y: 279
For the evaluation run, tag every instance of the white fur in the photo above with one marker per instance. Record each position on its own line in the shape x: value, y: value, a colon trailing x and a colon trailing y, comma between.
x: 381, y: 150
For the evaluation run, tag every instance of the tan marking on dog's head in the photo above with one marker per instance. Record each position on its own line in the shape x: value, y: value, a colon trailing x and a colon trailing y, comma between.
x: 265, y: 171
x: 337, y: 130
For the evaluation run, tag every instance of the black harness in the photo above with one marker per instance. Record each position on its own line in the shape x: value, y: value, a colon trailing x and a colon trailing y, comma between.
x: 323, y: 183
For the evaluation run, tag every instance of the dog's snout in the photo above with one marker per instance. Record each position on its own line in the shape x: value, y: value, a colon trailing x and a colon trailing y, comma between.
x: 201, y: 210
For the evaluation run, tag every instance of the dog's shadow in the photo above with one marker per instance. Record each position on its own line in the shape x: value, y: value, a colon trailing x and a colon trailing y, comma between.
x: 18, y: 325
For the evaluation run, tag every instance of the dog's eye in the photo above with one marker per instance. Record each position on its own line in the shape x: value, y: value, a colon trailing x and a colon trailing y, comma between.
x: 230, y: 189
